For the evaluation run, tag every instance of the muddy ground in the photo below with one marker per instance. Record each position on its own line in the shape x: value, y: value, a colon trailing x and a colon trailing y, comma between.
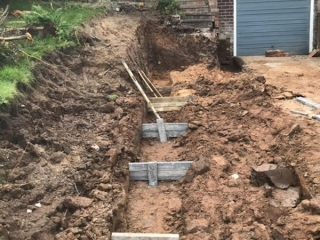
x: 68, y: 145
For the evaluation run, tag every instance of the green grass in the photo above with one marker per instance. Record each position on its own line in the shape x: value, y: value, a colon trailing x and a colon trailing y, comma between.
x: 10, y: 75
x: 40, y: 46
x: 75, y: 15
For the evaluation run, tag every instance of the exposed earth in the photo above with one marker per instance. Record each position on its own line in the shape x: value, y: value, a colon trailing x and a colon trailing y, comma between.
x: 65, y: 149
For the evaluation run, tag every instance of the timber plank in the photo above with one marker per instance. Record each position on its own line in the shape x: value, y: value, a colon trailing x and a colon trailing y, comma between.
x: 314, y: 53
x: 169, y: 104
x: 161, y: 130
x: 166, y: 171
x: 172, y: 130
x: 316, y: 117
x: 144, y: 236
x: 166, y: 109
x: 171, y: 99
x: 308, y: 102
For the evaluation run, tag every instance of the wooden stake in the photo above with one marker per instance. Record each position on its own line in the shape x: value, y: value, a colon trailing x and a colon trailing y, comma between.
x: 13, y: 38
x: 145, y: 81
x: 4, y: 14
x: 151, y: 84
x: 140, y: 89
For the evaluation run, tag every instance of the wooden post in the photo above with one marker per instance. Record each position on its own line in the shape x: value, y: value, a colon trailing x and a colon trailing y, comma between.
x: 162, y: 130
x: 145, y: 81
x: 140, y: 89
x: 151, y: 84
x: 153, y: 174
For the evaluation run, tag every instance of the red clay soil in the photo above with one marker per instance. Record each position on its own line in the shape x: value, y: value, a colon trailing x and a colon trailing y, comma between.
x: 234, y: 125
x: 68, y: 145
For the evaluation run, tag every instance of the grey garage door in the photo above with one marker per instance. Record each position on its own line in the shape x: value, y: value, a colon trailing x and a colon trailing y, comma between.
x: 272, y: 24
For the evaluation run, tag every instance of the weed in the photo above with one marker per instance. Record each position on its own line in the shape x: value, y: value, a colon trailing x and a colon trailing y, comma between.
x: 112, y: 97
x: 168, y: 6
x: 10, y: 75
x: 40, y: 46
x: 9, y: 53
x: 61, y: 26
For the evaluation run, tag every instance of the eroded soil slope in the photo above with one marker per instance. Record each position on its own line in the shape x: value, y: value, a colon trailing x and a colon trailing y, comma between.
x: 67, y: 145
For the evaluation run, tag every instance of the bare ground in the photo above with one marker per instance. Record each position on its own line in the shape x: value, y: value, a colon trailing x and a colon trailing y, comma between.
x: 68, y: 145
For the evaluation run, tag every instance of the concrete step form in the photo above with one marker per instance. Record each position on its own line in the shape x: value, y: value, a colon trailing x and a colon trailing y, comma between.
x: 196, y: 21
x: 194, y: 6
x: 196, y: 25
x: 203, y: 17
x: 196, y: 10
x: 194, y: 3
x: 199, y: 14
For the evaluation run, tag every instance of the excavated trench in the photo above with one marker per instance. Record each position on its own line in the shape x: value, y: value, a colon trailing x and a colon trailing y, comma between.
x: 68, y: 145
x: 233, y: 126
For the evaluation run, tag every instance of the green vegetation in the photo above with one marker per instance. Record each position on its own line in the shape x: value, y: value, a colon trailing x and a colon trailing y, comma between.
x: 59, y: 32
x: 112, y: 97
x: 10, y: 75
x: 168, y: 6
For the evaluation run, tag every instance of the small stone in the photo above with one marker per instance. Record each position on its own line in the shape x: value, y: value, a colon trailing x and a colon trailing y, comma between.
x: 222, y: 162
x: 57, y: 157
x: 38, y: 205
x: 235, y: 176
x: 77, y: 202
x: 195, y: 225
x: 201, y: 166
x: 285, y: 198
x: 29, y: 211
x: 95, y: 147
x: 294, y: 130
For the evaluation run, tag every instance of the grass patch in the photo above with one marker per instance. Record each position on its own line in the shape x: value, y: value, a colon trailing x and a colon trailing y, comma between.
x: 18, y: 73
x: 11, y: 75
x: 76, y: 14
x: 65, y: 20
x: 112, y: 97
x: 40, y: 46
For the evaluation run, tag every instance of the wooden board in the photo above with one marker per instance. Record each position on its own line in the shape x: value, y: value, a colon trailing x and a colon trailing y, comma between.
x: 166, y: 109
x: 171, y: 99
x: 172, y: 130
x: 161, y: 130
x: 308, y: 102
x: 153, y: 174
x: 144, y: 236
x: 316, y: 117
x: 167, y: 104
x: 167, y: 171
x: 313, y: 53
x: 299, y: 113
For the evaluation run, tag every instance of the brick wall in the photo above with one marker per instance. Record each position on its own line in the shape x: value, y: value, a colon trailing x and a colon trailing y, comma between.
x: 225, y: 25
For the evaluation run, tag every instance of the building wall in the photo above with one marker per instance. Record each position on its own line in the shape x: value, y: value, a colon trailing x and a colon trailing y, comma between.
x: 316, y: 29
x: 224, y: 24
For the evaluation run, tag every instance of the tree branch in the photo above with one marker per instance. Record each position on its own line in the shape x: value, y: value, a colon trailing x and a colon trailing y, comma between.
x: 12, y: 38
x: 4, y: 15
